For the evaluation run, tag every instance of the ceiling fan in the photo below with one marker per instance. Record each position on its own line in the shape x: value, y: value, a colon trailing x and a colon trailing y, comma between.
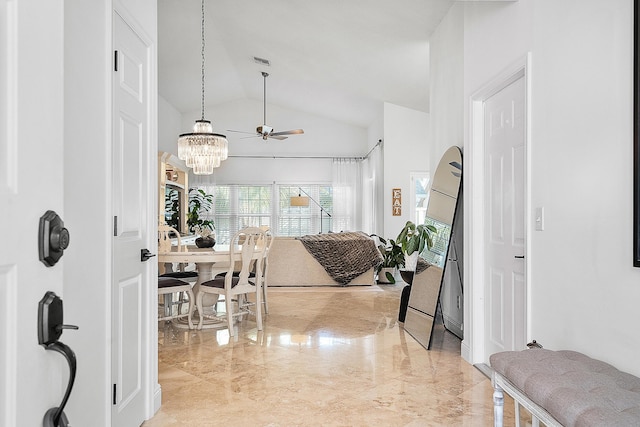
x: 265, y: 131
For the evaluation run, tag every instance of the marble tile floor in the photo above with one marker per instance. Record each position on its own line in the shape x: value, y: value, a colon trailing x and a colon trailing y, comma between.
x: 331, y: 356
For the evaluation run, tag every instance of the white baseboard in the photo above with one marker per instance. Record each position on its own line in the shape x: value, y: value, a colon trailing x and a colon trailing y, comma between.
x: 157, y: 398
x: 465, y: 351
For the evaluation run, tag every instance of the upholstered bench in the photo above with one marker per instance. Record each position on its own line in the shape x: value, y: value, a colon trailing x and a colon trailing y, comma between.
x: 565, y: 388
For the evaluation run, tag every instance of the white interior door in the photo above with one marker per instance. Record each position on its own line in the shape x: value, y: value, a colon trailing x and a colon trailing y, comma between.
x: 32, y: 380
x: 505, y: 235
x: 132, y: 215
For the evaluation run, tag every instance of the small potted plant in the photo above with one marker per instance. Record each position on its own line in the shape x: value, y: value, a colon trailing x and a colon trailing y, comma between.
x: 413, y: 239
x: 392, y: 258
x: 206, y: 237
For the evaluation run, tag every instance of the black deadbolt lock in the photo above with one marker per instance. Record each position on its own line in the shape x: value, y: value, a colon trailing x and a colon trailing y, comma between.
x: 53, y: 238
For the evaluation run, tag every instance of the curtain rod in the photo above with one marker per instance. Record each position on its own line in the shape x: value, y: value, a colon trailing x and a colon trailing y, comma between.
x: 294, y: 157
x: 249, y: 156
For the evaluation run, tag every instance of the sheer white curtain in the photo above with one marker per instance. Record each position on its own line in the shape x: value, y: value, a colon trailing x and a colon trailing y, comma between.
x: 347, y: 188
x: 372, y: 196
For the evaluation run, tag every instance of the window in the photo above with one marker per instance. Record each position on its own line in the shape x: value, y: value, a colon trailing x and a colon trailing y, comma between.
x: 419, y: 196
x: 302, y: 220
x: 239, y: 206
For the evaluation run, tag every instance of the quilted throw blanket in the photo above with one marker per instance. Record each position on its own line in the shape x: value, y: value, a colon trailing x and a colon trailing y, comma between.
x: 344, y: 256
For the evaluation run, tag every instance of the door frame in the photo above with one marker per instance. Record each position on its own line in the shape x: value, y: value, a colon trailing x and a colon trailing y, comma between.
x: 473, y: 344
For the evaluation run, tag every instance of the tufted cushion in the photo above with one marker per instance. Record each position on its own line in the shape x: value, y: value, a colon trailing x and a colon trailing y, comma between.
x: 575, y: 389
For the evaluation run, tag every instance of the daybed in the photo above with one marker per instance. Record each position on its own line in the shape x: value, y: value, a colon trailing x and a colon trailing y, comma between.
x: 291, y: 264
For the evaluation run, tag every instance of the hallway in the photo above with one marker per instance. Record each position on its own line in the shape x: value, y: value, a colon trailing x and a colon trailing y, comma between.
x: 327, y: 356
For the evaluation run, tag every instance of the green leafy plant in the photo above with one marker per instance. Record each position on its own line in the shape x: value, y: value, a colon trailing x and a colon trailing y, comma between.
x: 415, y: 237
x: 392, y: 256
x: 199, y: 202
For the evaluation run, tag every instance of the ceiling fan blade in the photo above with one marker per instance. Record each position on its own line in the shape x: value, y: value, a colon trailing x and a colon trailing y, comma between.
x: 248, y: 137
x: 277, y: 137
x: 241, y: 131
x: 288, y: 132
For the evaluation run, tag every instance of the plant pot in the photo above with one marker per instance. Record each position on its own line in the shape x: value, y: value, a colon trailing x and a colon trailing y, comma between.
x: 382, y: 275
x: 205, y: 242
x: 407, y: 276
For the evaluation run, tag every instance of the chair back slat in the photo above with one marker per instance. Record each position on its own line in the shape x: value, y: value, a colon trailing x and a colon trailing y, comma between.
x: 165, y: 234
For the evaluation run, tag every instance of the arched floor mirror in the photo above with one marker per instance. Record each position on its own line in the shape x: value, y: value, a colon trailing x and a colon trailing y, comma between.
x: 427, y: 284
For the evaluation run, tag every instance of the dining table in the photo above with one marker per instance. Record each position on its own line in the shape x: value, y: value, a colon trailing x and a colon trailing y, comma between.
x: 209, y: 262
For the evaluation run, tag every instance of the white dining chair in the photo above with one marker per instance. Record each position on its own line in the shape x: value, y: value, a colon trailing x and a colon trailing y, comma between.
x: 246, y: 253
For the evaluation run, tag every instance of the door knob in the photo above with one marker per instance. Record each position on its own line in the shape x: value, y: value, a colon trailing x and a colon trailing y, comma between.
x: 145, y: 254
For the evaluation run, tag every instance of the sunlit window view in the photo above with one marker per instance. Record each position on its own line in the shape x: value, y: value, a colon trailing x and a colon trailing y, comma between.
x: 419, y: 196
x: 239, y: 206
x: 303, y: 220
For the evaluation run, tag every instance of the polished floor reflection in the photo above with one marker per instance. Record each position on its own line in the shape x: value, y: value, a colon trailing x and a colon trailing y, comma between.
x: 326, y: 357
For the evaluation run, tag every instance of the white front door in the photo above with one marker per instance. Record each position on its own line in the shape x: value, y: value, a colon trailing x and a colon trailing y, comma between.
x: 132, y: 216
x: 32, y: 380
x: 505, y: 236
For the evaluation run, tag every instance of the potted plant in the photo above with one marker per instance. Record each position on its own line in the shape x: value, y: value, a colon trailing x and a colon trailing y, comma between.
x: 199, y: 201
x: 392, y: 258
x: 206, y: 238
x: 413, y: 239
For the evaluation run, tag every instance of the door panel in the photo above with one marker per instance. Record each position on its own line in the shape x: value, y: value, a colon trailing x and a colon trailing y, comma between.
x: 505, y: 153
x: 129, y: 302
x: 131, y: 200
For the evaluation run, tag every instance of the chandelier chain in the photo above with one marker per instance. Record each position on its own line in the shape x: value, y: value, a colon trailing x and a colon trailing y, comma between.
x: 202, y: 60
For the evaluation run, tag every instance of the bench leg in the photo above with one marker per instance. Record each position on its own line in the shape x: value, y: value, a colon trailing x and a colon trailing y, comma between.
x: 498, y: 406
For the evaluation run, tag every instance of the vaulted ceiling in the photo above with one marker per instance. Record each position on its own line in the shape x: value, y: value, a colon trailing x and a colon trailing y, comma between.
x: 339, y: 59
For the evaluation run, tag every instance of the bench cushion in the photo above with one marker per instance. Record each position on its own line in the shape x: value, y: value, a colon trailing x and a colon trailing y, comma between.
x: 575, y: 389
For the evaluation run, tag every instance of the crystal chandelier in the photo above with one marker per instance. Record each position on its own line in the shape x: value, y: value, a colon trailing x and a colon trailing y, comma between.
x: 202, y: 149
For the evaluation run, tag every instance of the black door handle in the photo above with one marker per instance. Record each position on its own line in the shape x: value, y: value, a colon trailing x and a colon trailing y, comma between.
x: 145, y: 255
x: 519, y: 256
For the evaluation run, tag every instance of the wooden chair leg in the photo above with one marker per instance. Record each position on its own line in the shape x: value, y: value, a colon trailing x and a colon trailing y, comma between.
x: 191, y: 307
x: 229, y: 304
x: 259, y: 309
x: 264, y: 297
x: 498, y: 406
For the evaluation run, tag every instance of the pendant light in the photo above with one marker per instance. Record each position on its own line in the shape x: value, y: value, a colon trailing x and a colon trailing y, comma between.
x: 202, y: 149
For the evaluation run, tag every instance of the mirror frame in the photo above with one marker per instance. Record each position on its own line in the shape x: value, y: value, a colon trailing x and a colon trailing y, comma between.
x: 426, y: 287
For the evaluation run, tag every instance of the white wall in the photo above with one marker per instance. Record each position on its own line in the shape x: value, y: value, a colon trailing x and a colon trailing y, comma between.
x: 406, y: 150
x: 87, y: 288
x: 584, y: 290
x: 169, y: 127
x: 446, y: 84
